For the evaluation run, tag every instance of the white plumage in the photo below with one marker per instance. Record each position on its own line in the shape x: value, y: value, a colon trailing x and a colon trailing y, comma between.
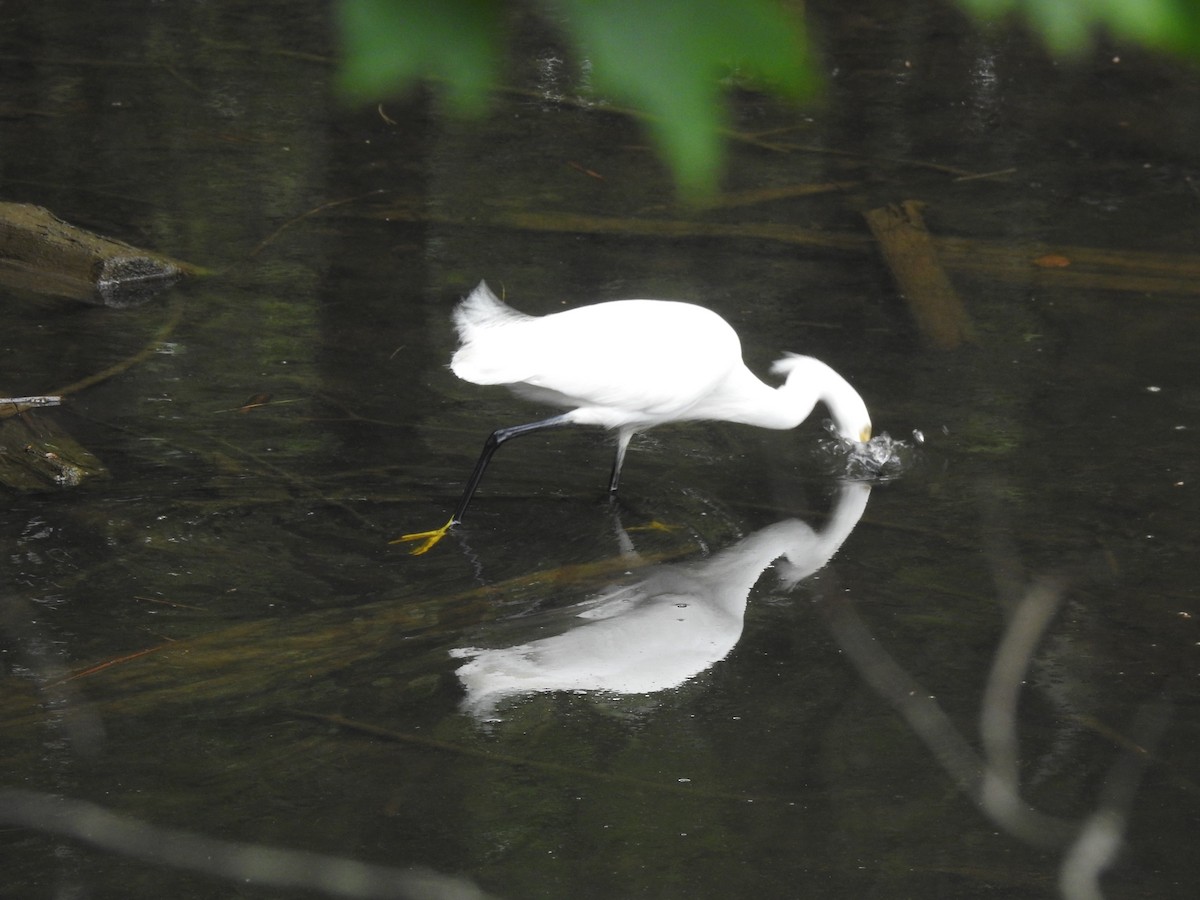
x: 629, y: 365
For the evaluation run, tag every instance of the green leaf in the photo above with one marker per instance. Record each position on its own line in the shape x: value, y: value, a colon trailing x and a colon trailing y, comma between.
x: 1069, y: 28
x: 668, y: 57
x: 389, y: 44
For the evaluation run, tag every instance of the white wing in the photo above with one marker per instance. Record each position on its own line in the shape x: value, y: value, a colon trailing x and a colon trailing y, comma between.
x: 623, y: 361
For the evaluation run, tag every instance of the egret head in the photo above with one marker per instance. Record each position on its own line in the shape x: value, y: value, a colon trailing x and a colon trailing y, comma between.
x: 817, y: 383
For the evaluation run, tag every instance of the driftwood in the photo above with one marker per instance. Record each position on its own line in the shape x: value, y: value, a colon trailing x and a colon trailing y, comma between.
x: 912, y: 257
x: 40, y: 252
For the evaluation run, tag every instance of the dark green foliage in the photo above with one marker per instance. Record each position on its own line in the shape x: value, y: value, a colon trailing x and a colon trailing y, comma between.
x: 669, y: 59
x: 666, y: 59
x: 1070, y: 28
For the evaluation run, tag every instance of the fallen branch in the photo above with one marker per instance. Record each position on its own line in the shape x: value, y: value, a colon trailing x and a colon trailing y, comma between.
x: 12, y: 406
x: 152, y: 346
x: 912, y: 257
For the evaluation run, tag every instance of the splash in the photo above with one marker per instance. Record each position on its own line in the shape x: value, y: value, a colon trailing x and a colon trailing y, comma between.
x: 883, y: 458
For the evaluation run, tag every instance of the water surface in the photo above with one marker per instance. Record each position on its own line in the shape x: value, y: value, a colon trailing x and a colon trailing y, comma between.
x: 219, y: 638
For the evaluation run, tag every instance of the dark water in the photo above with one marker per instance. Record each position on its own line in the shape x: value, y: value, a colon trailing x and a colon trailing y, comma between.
x: 278, y: 674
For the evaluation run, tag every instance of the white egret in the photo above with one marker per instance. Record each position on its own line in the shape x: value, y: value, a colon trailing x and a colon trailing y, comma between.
x: 629, y: 365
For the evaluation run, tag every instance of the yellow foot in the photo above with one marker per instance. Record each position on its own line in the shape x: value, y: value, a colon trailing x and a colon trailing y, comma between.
x: 427, y: 538
x: 655, y: 525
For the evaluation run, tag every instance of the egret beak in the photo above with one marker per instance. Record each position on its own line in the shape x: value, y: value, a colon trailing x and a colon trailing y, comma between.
x: 865, y: 435
x: 429, y: 539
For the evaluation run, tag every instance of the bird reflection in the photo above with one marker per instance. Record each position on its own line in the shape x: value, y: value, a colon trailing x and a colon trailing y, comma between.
x: 663, y: 629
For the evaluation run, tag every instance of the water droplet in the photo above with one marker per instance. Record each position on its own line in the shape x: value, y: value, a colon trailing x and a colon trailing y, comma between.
x: 880, y: 459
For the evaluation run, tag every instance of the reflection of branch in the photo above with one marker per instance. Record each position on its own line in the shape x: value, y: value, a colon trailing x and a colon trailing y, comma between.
x: 933, y: 726
x: 305, y: 215
x: 1000, y: 795
x: 1100, y: 837
x: 248, y: 863
x: 885, y: 676
x: 77, y: 721
x: 152, y: 347
x: 992, y: 783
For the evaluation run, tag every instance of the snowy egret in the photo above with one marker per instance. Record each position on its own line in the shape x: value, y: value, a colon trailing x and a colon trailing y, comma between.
x: 629, y: 365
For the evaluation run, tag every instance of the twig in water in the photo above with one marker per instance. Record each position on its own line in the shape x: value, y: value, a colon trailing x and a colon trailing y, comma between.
x: 307, y: 215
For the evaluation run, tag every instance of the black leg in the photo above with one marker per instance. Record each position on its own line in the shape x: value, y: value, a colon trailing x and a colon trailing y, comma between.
x: 622, y: 445
x: 490, y: 446
x: 430, y: 538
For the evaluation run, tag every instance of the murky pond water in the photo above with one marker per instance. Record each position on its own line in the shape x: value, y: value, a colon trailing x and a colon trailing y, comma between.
x: 746, y: 679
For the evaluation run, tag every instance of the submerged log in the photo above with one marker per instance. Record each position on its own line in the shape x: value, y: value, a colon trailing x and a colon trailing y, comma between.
x: 35, y: 454
x: 912, y: 257
x: 1149, y: 273
x: 40, y: 252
